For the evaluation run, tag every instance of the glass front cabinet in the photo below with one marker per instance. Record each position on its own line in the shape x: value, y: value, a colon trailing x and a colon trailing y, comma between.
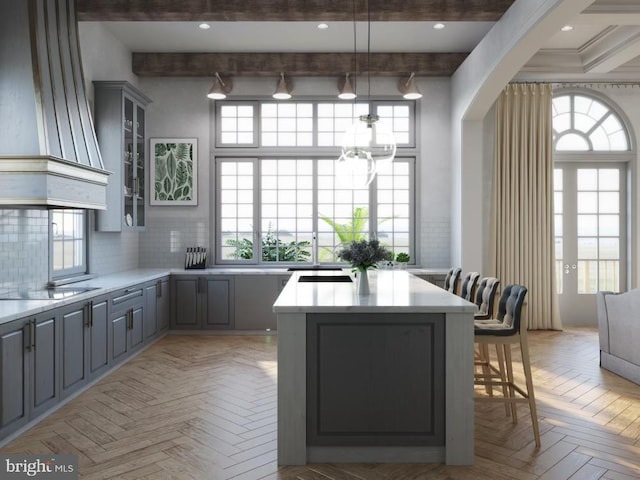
x: 119, y: 120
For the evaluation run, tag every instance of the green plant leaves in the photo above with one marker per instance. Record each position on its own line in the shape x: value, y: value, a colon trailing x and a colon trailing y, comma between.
x: 174, y: 171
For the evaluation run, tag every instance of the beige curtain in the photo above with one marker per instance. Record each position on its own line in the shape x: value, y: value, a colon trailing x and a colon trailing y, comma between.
x: 522, y: 239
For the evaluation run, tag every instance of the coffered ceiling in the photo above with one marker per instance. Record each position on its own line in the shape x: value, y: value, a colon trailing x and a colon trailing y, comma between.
x: 262, y: 37
x: 604, y: 45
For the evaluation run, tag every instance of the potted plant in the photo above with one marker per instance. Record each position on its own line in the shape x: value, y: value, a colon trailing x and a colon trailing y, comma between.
x: 362, y: 256
x: 403, y: 258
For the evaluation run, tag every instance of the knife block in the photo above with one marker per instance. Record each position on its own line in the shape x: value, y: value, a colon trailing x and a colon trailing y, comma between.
x: 196, y: 258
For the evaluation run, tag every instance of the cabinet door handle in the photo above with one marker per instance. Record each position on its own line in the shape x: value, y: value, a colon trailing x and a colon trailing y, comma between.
x: 27, y: 335
x: 130, y: 318
x: 158, y: 289
x: 33, y: 333
x: 91, y: 313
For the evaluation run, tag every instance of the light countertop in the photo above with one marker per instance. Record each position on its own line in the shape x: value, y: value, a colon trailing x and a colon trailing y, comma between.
x: 15, y: 309
x: 391, y: 291
x: 104, y: 284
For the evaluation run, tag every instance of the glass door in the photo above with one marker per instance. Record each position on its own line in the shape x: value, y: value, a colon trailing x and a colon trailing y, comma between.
x: 128, y: 170
x: 590, y: 229
x: 139, y: 169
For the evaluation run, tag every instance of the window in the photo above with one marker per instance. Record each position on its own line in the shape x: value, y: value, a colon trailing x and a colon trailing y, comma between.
x: 304, y: 124
x: 285, y: 205
x: 291, y: 198
x: 68, y: 243
x: 583, y: 123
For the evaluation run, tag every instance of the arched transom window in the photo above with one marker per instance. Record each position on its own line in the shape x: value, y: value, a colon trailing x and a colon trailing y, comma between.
x: 583, y: 123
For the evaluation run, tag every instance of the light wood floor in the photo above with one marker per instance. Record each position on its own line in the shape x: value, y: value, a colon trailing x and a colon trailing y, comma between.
x: 204, y: 407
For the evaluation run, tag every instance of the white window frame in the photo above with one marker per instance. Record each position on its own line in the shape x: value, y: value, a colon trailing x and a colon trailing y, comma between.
x: 257, y: 208
x: 225, y: 152
x: 602, y: 158
x: 80, y: 268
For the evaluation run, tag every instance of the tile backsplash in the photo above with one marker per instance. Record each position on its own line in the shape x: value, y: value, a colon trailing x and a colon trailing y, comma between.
x: 24, y: 249
x: 165, y: 240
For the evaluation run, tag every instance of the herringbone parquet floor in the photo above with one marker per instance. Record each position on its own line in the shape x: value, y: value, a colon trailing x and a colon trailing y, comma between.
x: 204, y: 407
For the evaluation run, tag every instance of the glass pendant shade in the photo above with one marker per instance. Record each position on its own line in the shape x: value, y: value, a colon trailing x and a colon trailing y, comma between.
x: 355, y: 171
x: 371, y: 138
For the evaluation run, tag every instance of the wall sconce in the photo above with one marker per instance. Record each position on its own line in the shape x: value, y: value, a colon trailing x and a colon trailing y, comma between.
x: 283, y: 90
x: 220, y: 88
x: 409, y: 89
x: 346, y: 89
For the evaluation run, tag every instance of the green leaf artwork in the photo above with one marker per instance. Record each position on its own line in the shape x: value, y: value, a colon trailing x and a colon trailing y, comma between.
x: 175, y: 171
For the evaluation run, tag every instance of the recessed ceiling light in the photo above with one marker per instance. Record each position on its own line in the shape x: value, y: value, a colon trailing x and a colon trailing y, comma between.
x: 204, y: 26
x: 567, y: 28
x: 439, y: 26
x: 323, y: 26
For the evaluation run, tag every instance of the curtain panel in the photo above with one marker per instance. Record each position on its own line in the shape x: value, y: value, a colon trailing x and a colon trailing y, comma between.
x: 522, y: 240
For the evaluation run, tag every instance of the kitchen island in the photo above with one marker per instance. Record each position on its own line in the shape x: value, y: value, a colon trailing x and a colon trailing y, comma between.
x: 385, y: 377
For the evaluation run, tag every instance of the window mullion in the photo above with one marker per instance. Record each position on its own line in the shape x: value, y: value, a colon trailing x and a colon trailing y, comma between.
x: 257, y: 211
x: 373, y: 208
x: 315, y: 249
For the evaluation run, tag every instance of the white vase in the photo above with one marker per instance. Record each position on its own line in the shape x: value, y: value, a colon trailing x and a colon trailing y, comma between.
x: 363, y: 282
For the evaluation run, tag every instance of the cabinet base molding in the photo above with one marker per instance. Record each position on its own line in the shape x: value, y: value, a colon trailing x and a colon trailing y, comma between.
x: 223, y: 332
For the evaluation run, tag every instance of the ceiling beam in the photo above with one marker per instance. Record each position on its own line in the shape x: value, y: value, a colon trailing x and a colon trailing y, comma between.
x: 295, y: 64
x: 290, y: 10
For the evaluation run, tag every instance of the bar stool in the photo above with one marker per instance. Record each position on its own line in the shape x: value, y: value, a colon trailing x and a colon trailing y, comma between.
x: 507, y: 329
x: 485, y: 297
x: 469, y: 284
x: 485, y: 300
x: 452, y: 279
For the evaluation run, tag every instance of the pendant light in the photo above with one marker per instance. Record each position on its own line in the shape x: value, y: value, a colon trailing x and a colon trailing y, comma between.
x: 409, y: 89
x: 346, y: 89
x: 220, y: 88
x: 283, y: 90
x: 368, y: 141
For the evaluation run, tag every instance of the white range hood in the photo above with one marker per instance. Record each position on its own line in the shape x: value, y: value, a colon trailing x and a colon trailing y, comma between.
x: 49, y: 154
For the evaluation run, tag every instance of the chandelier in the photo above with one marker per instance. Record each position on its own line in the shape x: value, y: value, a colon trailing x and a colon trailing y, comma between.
x: 368, y: 141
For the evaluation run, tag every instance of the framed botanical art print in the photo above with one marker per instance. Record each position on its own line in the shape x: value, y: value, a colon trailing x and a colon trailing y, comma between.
x: 174, y: 171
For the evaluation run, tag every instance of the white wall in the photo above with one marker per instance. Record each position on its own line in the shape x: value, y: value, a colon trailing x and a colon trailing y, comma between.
x: 104, y: 57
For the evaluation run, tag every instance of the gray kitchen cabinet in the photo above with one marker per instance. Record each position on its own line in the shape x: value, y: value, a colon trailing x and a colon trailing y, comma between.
x: 29, y: 368
x: 203, y: 302
x: 44, y: 350
x: 85, y: 341
x: 120, y: 128
x: 99, y: 335
x: 157, y: 312
x: 127, y: 321
x: 163, y: 311
x: 151, y: 304
x: 14, y: 367
x: 257, y: 314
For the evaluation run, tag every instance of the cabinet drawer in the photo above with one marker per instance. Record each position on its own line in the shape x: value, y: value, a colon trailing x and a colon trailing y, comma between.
x: 127, y: 298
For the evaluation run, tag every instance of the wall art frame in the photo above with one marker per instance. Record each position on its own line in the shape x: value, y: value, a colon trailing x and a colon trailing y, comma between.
x: 173, y: 172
